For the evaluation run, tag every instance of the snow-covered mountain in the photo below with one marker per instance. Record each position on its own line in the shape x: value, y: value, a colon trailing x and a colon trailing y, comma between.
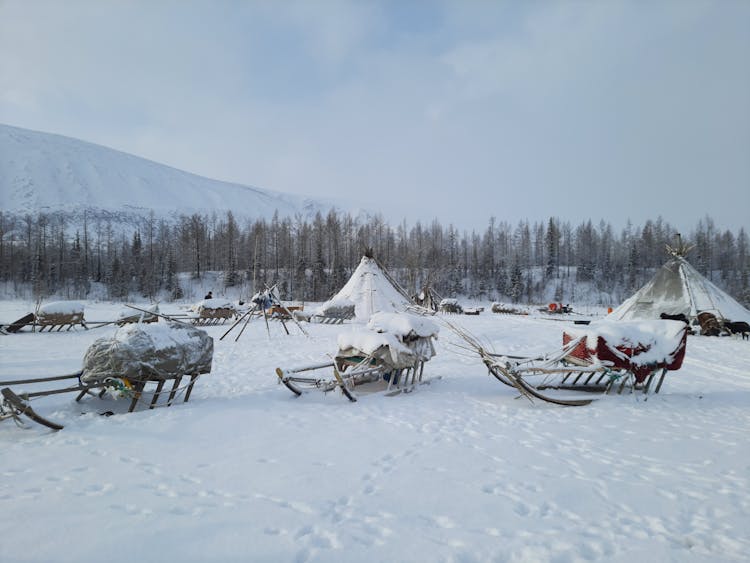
x: 52, y: 173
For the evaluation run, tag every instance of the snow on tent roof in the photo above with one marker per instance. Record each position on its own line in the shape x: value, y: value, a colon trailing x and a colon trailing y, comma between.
x: 371, y: 290
x: 678, y: 288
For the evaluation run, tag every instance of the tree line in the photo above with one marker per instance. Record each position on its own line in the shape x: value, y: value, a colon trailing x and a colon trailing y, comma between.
x: 310, y: 259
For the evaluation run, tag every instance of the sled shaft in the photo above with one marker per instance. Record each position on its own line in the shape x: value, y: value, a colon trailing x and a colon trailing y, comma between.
x: 42, y: 379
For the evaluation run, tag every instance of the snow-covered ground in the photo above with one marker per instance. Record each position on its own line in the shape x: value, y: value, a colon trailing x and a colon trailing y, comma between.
x: 460, y: 470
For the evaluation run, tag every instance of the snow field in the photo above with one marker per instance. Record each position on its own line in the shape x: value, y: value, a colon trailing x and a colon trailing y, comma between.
x: 460, y: 470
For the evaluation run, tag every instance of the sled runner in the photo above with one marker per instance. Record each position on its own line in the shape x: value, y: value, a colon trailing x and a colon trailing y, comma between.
x: 20, y: 323
x: 123, y: 366
x: 387, y: 356
x: 12, y: 406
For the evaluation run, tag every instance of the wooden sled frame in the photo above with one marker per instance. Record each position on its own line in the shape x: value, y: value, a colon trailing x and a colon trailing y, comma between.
x: 14, y: 405
x: 565, y: 372
x: 55, y: 323
x: 211, y: 317
x: 349, y: 374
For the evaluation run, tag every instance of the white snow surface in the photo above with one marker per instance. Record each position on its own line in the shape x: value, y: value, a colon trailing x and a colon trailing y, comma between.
x: 62, y: 308
x: 461, y: 470
x: 370, y: 291
x: 659, y: 338
x: 47, y: 172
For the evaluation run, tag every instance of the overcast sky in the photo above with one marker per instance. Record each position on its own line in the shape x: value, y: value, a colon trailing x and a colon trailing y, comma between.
x: 458, y: 110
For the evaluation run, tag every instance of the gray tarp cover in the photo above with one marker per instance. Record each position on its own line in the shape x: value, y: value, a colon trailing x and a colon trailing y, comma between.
x: 149, y: 351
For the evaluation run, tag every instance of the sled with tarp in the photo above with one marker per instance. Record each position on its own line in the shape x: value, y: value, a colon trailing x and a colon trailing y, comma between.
x: 602, y: 357
x: 135, y: 364
x: 387, y: 355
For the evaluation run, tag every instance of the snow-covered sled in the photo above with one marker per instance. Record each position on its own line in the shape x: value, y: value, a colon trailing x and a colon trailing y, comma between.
x: 212, y: 312
x: 388, y: 355
x: 123, y: 365
x: 59, y: 315
x: 600, y: 357
x: 130, y: 315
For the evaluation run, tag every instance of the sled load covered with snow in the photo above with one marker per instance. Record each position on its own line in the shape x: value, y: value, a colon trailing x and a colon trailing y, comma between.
x: 601, y: 357
x: 53, y: 316
x: 387, y: 355
x: 123, y: 365
x: 59, y: 315
x: 212, y: 311
x: 130, y: 315
x: 451, y: 305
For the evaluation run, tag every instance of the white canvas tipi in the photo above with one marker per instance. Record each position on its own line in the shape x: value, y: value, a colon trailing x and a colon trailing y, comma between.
x: 371, y: 289
x: 678, y: 288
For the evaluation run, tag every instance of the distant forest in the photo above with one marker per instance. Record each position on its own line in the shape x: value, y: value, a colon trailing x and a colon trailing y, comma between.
x: 526, y: 262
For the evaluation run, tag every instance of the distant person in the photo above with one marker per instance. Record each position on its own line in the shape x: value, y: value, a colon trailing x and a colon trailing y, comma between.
x: 209, y: 295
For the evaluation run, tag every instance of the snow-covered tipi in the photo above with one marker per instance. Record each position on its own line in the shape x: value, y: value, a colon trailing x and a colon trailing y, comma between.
x: 372, y: 290
x: 678, y: 288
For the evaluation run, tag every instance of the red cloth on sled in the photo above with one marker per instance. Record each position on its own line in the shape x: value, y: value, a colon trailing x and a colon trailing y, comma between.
x: 638, y: 347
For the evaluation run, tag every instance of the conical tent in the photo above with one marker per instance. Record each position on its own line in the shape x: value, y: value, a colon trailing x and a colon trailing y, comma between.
x: 678, y: 288
x: 371, y: 289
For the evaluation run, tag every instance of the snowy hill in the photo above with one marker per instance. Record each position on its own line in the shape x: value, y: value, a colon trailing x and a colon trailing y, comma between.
x: 52, y: 173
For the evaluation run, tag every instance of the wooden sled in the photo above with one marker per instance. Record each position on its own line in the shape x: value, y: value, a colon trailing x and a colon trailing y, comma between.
x: 595, y: 359
x: 320, y: 319
x: 20, y: 323
x: 210, y: 317
x: 58, y: 322
x: 124, y: 365
x: 354, y: 378
x: 145, y: 316
x: 14, y: 405
x: 387, y: 356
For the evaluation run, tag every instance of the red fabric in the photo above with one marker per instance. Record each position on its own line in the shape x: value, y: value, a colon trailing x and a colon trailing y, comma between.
x: 605, y: 351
